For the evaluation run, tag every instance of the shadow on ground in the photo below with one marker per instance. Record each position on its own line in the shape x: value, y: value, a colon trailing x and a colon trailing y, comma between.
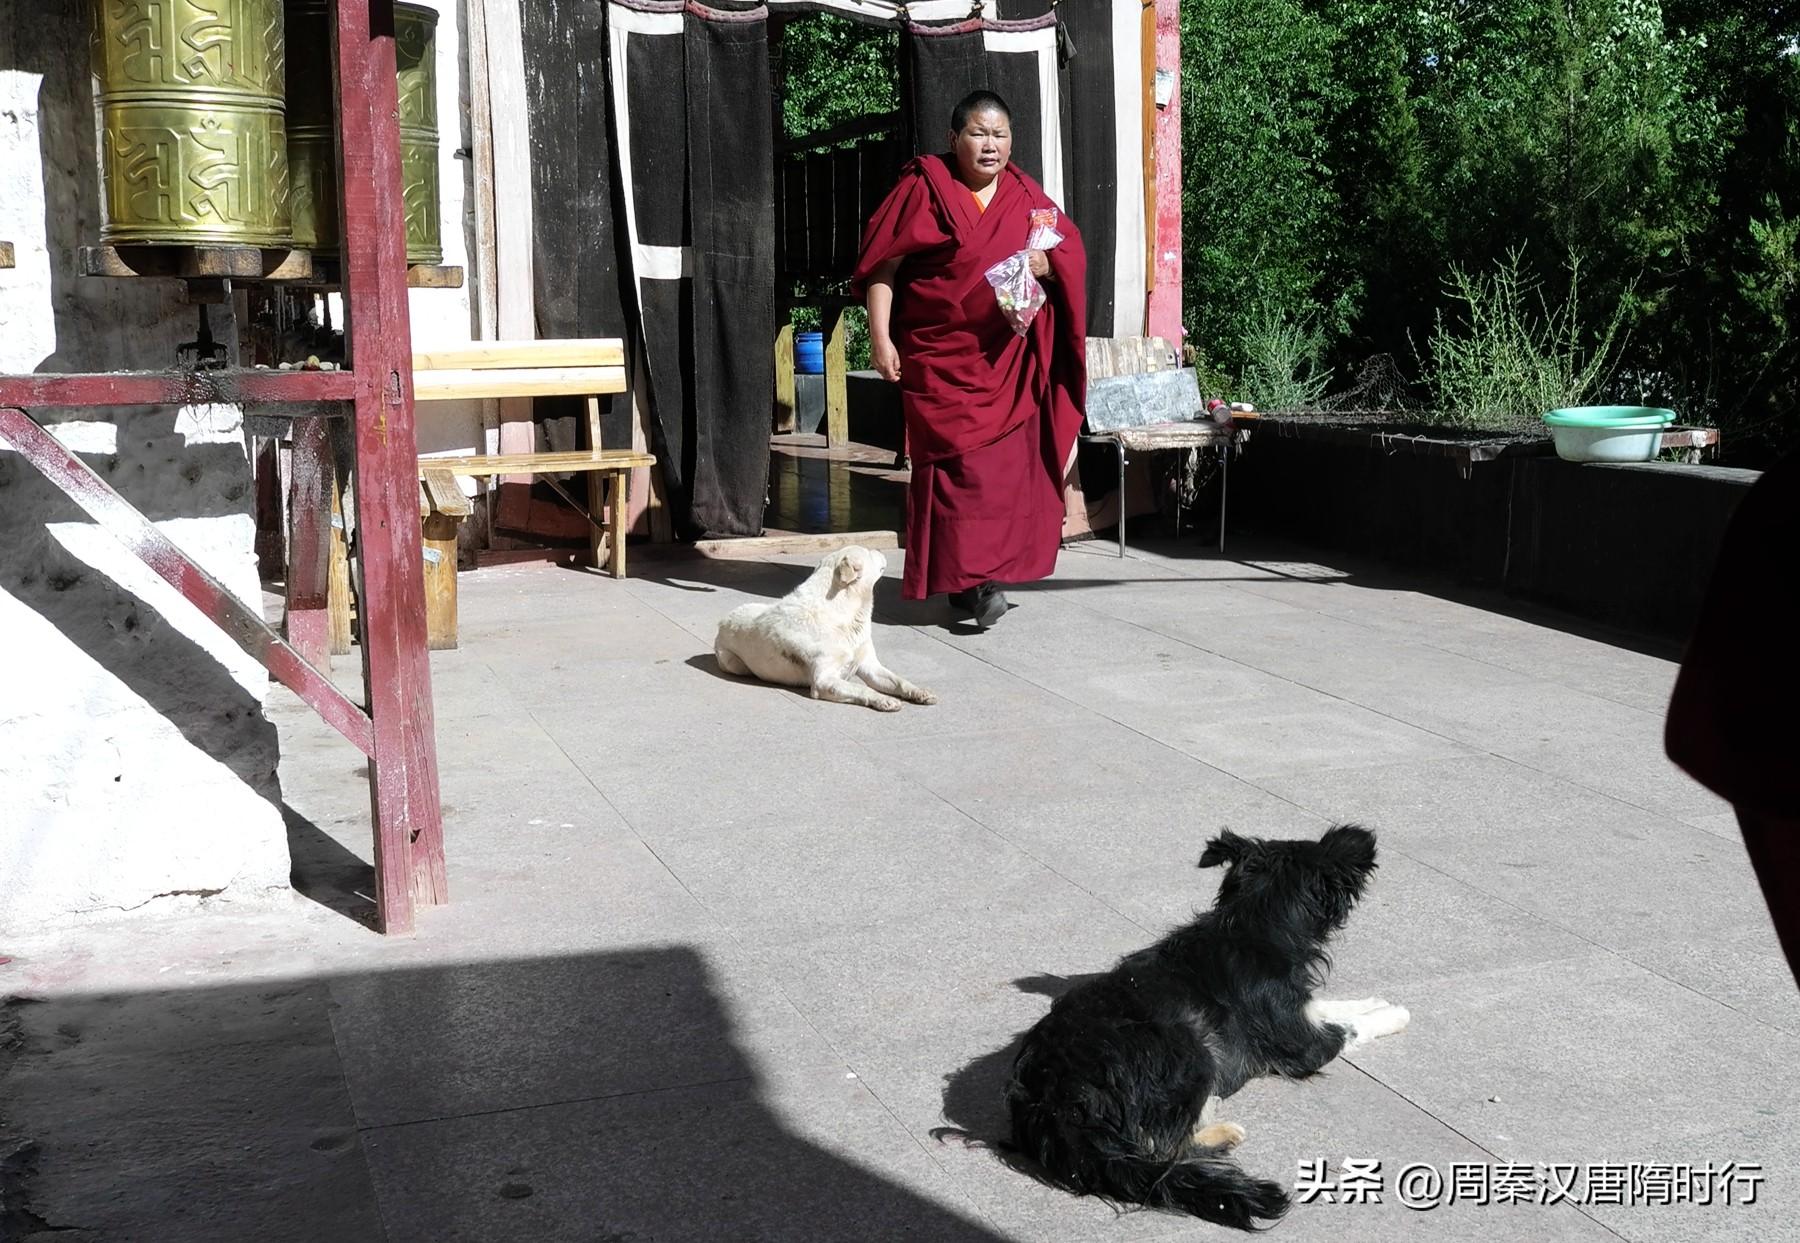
x: 593, y: 1097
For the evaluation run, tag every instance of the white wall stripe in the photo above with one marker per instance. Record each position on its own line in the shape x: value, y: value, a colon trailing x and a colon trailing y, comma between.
x: 1019, y: 40
x: 621, y: 20
x: 661, y: 263
x: 618, y: 31
x: 1042, y: 42
x: 888, y: 11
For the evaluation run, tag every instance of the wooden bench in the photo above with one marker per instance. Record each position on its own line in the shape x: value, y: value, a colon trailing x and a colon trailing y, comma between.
x: 506, y: 369
x: 578, y: 368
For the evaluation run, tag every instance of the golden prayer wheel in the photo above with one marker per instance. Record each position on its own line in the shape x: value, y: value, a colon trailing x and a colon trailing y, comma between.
x: 312, y: 128
x: 190, y: 102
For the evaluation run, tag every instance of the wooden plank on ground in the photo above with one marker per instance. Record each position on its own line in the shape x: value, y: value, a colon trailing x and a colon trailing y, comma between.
x: 510, y: 382
x: 793, y: 545
x: 487, y: 355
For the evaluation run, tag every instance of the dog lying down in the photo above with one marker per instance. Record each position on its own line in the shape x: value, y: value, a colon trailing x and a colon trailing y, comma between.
x: 1113, y: 1091
x: 818, y: 636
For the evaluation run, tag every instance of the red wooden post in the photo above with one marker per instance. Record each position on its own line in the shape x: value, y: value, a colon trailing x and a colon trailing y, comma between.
x: 308, y: 577
x: 409, y: 850
x: 1165, y: 297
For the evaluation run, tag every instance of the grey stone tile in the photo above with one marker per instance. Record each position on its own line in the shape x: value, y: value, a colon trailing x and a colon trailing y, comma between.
x: 978, y: 771
x: 198, y: 1113
x: 974, y: 680
x: 1332, y: 735
x: 1175, y: 604
x: 1245, y: 721
x: 1720, y: 824
x: 1588, y: 1059
x: 708, y: 780
x: 969, y: 981
x: 1737, y: 1177
x: 792, y: 877
x: 1664, y: 894
x: 1417, y: 923
x: 1049, y: 637
x: 1138, y: 852
x: 703, y: 1163
x: 1343, y: 1114
x: 444, y: 1039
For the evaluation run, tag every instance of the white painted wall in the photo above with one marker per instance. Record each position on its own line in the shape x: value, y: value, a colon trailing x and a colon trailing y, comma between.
x: 446, y: 316
x: 136, y: 764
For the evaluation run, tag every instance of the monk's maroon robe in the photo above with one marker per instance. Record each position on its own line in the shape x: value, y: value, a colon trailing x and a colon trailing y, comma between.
x: 991, y: 416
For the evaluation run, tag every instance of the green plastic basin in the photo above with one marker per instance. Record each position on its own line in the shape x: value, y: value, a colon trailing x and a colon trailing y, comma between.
x: 1618, y: 418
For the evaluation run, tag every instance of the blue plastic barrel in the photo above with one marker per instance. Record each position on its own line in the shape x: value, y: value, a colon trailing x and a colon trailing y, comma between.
x: 809, y: 353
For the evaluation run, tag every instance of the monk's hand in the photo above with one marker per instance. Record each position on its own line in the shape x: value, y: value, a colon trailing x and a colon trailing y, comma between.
x: 886, y: 359
x: 1039, y: 263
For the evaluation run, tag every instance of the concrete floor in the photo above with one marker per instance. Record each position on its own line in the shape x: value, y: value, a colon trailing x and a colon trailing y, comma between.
x: 720, y: 959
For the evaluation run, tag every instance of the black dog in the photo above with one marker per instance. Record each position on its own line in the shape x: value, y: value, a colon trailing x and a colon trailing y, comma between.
x: 1112, y: 1091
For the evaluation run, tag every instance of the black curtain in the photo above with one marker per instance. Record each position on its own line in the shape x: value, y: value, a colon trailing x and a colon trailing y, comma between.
x: 731, y: 178
x: 576, y: 267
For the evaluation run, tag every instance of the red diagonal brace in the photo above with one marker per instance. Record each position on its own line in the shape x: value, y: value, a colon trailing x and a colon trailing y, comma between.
x: 118, y: 518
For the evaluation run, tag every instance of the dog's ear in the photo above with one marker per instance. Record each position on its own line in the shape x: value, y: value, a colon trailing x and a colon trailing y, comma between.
x: 1227, y: 847
x: 850, y: 567
x: 1351, y: 846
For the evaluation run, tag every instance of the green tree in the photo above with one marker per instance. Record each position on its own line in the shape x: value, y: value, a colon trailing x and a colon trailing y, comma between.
x: 1260, y: 214
x: 835, y: 70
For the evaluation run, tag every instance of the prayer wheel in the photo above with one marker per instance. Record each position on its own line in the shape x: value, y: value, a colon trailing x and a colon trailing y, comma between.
x: 312, y: 128
x: 190, y: 103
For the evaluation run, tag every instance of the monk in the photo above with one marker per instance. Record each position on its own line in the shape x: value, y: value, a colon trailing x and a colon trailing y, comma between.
x: 991, y: 415
x: 1734, y: 718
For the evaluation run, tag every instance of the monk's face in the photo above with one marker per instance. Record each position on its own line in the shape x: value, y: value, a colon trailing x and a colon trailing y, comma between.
x: 983, y: 146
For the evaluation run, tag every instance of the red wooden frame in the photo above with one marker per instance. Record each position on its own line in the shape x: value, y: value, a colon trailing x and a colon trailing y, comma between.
x: 396, y: 730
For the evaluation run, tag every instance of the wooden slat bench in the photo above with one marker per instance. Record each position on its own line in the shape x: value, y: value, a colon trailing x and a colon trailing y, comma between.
x: 579, y: 368
x: 503, y: 369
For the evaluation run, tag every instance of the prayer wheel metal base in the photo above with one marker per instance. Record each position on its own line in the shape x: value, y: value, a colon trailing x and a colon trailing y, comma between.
x: 312, y: 128
x: 190, y: 101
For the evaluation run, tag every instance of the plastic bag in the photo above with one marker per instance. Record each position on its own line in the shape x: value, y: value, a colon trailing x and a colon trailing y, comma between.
x: 1019, y: 293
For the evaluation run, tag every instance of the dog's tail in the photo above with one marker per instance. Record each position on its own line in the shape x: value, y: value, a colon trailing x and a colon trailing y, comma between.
x: 1211, y: 1187
x: 1098, y: 1161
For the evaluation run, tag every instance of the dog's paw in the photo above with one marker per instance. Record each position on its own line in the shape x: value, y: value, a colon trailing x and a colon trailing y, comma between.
x: 1387, y: 1021
x: 1225, y: 1135
x: 883, y: 704
x: 1368, y: 1005
x: 922, y: 696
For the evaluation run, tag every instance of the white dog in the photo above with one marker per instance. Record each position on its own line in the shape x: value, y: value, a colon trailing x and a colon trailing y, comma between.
x: 818, y: 636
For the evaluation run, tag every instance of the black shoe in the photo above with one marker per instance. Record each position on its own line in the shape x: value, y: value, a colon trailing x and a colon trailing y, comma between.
x: 990, y: 605
x: 987, y: 604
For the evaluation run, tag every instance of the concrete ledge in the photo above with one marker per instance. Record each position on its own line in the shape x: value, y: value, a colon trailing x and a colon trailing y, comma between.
x: 1628, y: 545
